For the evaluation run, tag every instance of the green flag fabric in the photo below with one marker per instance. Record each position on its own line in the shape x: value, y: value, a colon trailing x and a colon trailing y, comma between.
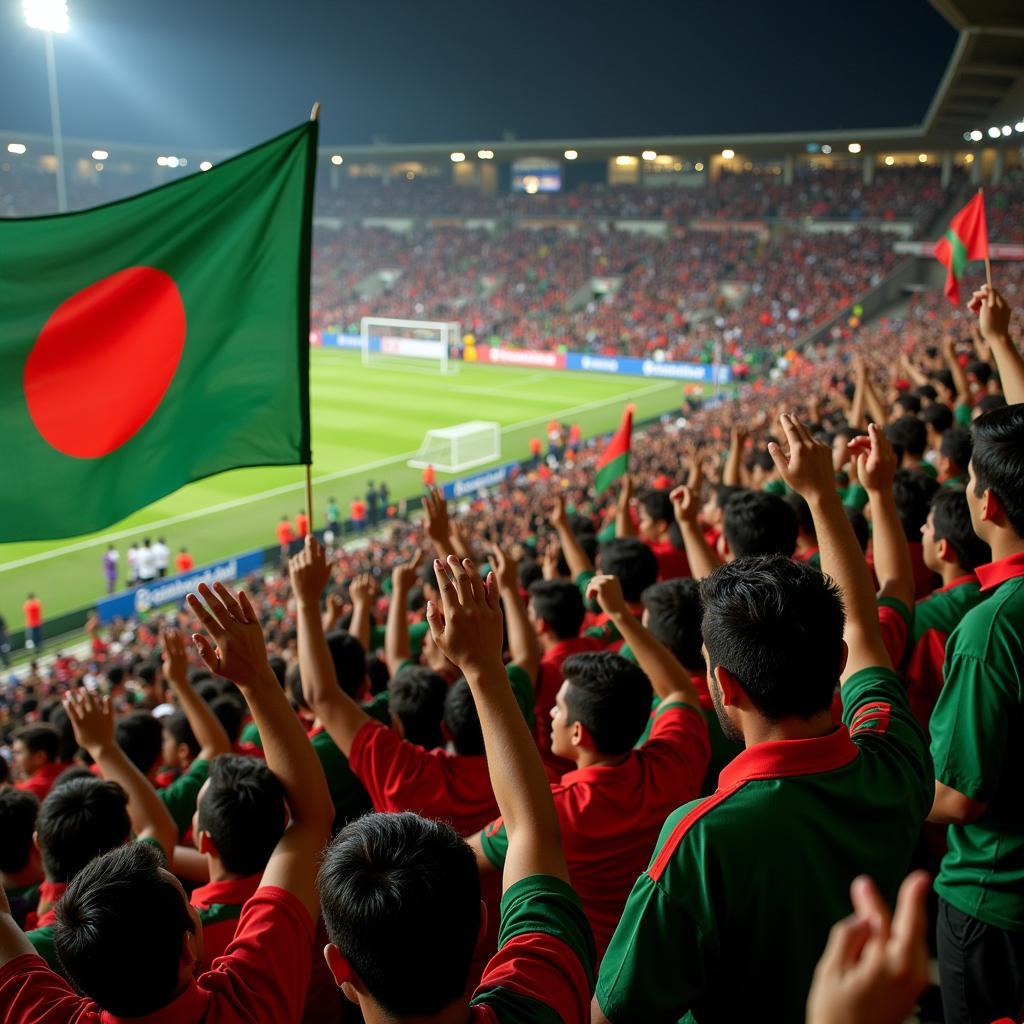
x: 155, y: 341
x: 614, y: 460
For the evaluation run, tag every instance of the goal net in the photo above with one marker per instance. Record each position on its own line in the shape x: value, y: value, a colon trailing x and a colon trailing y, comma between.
x: 453, y: 449
x: 412, y: 344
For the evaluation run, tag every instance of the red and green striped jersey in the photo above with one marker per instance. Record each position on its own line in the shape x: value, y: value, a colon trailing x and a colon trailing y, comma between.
x: 731, y: 916
x: 543, y: 972
x: 220, y: 906
x: 978, y: 748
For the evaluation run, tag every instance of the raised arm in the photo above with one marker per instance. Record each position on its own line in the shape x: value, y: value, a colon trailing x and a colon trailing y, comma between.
x: 208, y: 731
x: 994, y: 323
x: 671, y: 682
x: 364, y: 591
x: 341, y: 716
x: 467, y: 629
x: 875, y: 408
x: 807, y: 468
x: 856, y: 414
x: 577, y: 559
x: 732, y: 475
x: 396, y: 634
x: 436, y: 524
x: 624, y: 525
x: 703, y: 560
x: 960, y: 383
x: 92, y: 718
x: 522, y: 641
x: 237, y: 652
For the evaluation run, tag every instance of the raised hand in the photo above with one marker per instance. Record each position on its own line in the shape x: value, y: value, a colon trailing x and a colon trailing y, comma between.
x: 607, y: 591
x: 364, y: 589
x: 993, y: 313
x: 92, y: 718
x: 175, y: 659
x: 436, y: 509
x: 405, y: 574
x: 558, y: 517
x: 549, y: 566
x: 238, y: 651
x: 506, y: 568
x: 684, y: 504
x: 807, y: 467
x: 625, y: 492
x: 467, y: 626
x: 874, y: 459
x: 309, y: 571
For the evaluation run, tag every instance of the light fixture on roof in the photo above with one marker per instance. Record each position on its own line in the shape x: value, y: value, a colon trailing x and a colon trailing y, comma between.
x: 728, y: 154
x: 485, y: 154
x: 173, y: 161
x: 826, y: 149
x: 337, y: 159
x: 100, y: 154
x: 977, y: 135
x: 889, y: 161
x: 205, y: 165
x: 48, y: 15
x: 698, y: 167
x: 969, y: 158
x: 854, y: 147
x: 570, y: 154
x: 922, y: 158
x: 1019, y: 126
x: 993, y: 132
x: 649, y: 154
x: 17, y: 148
x: 625, y: 160
x: 1007, y: 129
x: 161, y: 161
x: 457, y: 158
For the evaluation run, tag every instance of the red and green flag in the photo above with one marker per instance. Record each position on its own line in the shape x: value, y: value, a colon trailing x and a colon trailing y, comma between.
x: 614, y: 461
x: 965, y: 239
x: 155, y: 341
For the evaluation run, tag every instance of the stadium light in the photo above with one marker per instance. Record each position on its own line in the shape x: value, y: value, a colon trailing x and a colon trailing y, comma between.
x: 337, y: 159
x: 969, y: 158
x: 17, y: 148
x: 1007, y: 129
x: 205, y: 165
x: 889, y: 161
x: 1019, y: 126
x: 698, y: 167
x: 977, y: 136
x: 625, y: 161
x: 162, y: 161
x: 993, y: 132
x: 826, y: 149
x: 485, y: 154
x: 457, y: 158
x: 47, y: 15
x: 649, y: 154
x: 728, y: 154
x: 922, y: 158
x: 100, y: 154
x: 570, y: 154
x: 173, y: 161
x: 854, y: 147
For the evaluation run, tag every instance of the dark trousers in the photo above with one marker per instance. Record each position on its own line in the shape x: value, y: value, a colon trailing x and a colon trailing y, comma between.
x: 981, y: 969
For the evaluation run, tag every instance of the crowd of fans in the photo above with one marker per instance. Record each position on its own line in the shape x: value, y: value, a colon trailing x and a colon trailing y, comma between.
x: 667, y: 736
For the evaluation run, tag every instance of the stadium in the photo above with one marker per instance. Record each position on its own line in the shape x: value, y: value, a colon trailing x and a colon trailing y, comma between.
x: 716, y: 436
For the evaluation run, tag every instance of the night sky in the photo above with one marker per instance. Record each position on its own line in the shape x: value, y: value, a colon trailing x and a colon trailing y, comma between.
x: 226, y: 73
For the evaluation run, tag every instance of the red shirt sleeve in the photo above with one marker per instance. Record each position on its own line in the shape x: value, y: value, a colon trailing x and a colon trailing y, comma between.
x: 30, y: 993
x: 394, y: 771
x: 264, y: 973
x: 679, y: 737
x: 895, y: 632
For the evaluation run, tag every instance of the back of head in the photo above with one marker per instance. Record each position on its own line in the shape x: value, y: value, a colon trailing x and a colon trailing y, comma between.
x: 119, y: 931
x: 242, y: 809
x: 462, y: 721
x: 757, y: 523
x: 909, y: 403
x: 798, y: 503
x: 140, y: 735
x: 951, y: 516
x: 998, y: 460
x: 18, y: 810
x: 633, y: 562
x: 401, y: 900
x: 416, y: 696
x: 349, y: 661
x: 859, y: 522
x: 559, y: 603
x: 658, y: 506
x: 79, y: 820
x: 913, y: 492
x: 610, y: 697
x: 907, y: 434
x: 61, y: 721
x: 41, y: 738
x: 177, y: 726
x: 989, y: 402
x: 777, y: 626
x: 673, y: 617
x: 230, y: 714
x: 939, y: 417
x: 957, y: 445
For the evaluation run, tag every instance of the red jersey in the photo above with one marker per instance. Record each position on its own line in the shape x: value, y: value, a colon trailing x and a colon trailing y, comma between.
x: 672, y: 562
x: 302, y: 524
x: 33, y: 613
x: 184, y: 561
x: 284, y: 532
x: 357, y: 510
x: 549, y: 682
x: 41, y: 781
x: 220, y: 907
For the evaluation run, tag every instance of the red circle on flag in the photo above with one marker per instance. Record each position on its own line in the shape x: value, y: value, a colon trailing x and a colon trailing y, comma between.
x: 104, y: 360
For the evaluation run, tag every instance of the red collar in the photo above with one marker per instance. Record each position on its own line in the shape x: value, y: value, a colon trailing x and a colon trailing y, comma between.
x: 597, y: 773
x: 192, y: 1004
x: 960, y: 581
x: 49, y: 894
x: 778, y: 759
x: 574, y: 645
x: 48, y: 772
x: 995, y: 573
x: 229, y: 890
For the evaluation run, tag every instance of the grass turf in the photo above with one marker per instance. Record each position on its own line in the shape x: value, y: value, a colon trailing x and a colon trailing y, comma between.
x: 367, y: 422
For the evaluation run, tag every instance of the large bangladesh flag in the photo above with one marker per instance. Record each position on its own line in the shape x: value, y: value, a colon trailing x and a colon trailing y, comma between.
x: 614, y: 461
x: 155, y: 340
x: 965, y: 239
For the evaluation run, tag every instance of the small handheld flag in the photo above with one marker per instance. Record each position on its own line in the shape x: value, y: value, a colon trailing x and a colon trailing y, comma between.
x: 965, y: 239
x: 614, y: 461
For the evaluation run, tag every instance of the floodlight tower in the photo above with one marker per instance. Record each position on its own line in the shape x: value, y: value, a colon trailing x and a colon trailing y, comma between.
x: 52, y: 16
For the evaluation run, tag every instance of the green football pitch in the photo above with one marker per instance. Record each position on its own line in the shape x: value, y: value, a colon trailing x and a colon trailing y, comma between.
x: 367, y: 422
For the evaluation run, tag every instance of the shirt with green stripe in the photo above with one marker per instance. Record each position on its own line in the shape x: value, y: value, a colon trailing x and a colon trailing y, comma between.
x: 181, y: 795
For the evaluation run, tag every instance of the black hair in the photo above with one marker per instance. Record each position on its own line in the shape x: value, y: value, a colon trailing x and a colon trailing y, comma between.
x: 938, y: 416
x: 980, y: 370
x: 177, y: 725
x: 989, y: 402
x: 908, y: 435
x: 147, y: 673
x: 401, y: 900
x: 951, y: 517
x: 911, y: 403
x: 913, y: 492
x: 349, y: 661
x: 243, y: 811
x: 230, y: 713
x: 610, y: 697
x: 416, y: 696
x: 79, y: 820
x: 633, y: 562
x: 207, y: 690
x: 957, y: 445
x: 529, y: 572
x: 799, y: 505
x: 293, y: 687
x: 61, y: 721
x: 119, y: 931
x: 859, y: 522
x: 462, y: 720
x: 18, y: 810
x: 278, y: 666
x: 139, y: 735
x: 115, y: 675
x: 41, y: 737
x: 377, y: 673
x: 926, y: 391
x: 998, y: 460
x: 777, y: 626
x: 673, y: 617
x: 945, y: 378
x: 560, y: 604
x: 658, y: 506
x: 758, y: 523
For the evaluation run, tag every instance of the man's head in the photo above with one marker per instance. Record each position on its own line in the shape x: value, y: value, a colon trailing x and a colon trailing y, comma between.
x: 912, y: 491
x: 79, y: 820
x: 632, y: 561
x: 672, y: 613
x: 125, y: 934
x: 461, y: 720
x: 996, y: 490
x: 908, y: 404
x: 416, y: 703
x: 602, y: 707
x: 401, y: 903
x: 656, y: 515
x: 713, y: 509
x: 773, y: 632
x: 179, y: 746
x: 18, y: 811
x: 948, y: 538
x: 757, y: 523
x: 349, y: 661
x: 140, y: 736
x: 240, y: 814
x: 937, y: 419
x: 34, y: 747
x: 908, y: 437
x: 556, y: 609
x: 955, y: 453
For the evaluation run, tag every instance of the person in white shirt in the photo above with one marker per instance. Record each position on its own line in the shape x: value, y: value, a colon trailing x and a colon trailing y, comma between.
x: 133, y: 564
x: 162, y: 557
x: 146, y: 562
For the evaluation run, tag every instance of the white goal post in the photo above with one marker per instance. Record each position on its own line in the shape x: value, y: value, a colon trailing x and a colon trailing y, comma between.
x: 404, y: 339
x: 453, y: 449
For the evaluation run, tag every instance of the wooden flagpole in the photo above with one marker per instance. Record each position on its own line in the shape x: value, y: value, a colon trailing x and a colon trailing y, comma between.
x: 988, y: 262
x: 314, y: 115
